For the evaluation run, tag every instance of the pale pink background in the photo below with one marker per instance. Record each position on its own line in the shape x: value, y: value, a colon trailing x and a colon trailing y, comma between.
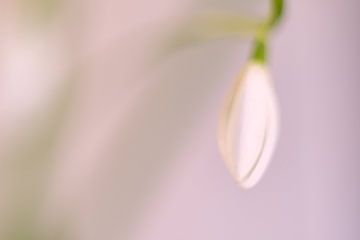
x: 137, y: 155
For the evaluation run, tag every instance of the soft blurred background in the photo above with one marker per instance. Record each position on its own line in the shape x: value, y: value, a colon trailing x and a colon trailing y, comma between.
x: 103, y: 136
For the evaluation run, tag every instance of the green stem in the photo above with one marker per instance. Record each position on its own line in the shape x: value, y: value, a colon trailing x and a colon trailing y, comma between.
x: 277, y: 13
x: 259, y: 53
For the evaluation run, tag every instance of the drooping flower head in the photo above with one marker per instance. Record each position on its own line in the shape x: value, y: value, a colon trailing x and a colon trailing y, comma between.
x: 249, y: 125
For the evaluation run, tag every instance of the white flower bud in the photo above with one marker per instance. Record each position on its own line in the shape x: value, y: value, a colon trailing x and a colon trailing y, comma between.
x: 249, y: 125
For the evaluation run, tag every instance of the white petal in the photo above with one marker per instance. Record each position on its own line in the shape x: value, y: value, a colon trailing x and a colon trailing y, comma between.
x: 249, y: 126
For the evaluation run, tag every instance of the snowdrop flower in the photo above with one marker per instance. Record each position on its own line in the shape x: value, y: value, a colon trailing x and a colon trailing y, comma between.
x: 249, y: 125
x: 250, y: 121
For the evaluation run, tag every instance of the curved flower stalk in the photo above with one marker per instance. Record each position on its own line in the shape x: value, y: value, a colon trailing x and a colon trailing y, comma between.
x: 249, y: 125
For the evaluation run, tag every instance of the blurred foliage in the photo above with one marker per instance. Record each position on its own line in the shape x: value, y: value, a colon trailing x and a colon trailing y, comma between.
x: 31, y: 164
x: 41, y: 11
x: 220, y: 24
